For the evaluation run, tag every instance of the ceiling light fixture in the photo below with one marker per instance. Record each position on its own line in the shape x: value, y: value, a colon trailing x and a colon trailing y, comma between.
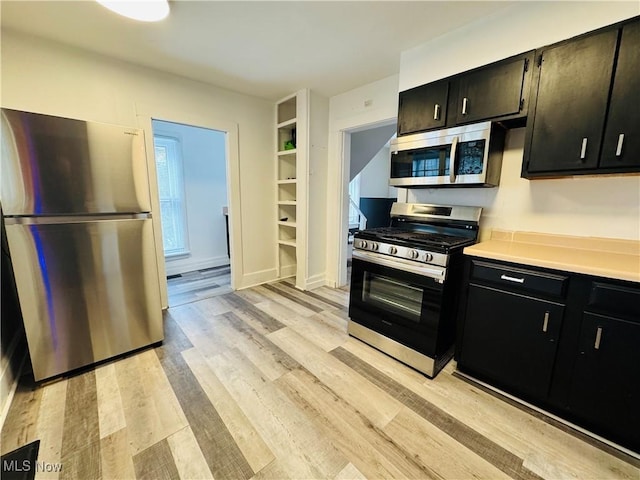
x: 143, y: 10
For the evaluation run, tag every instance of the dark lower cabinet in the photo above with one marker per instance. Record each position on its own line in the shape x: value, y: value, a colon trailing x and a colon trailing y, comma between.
x: 511, y: 339
x: 567, y: 342
x: 605, y: 387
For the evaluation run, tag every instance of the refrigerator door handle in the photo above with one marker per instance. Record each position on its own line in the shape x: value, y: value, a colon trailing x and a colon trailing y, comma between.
x: 48, y: 220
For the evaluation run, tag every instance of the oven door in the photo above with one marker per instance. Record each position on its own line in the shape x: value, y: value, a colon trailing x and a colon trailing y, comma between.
x: 399, y: 304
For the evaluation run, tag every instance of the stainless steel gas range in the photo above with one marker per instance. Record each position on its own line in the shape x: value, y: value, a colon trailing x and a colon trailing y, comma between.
x: 405, y: 282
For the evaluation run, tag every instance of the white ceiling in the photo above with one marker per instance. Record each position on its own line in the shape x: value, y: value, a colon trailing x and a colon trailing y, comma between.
x: 263, y: 48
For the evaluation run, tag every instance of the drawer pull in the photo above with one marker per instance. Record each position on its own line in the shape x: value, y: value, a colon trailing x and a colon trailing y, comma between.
x: 598, y: 338
x: 545, y: 323
x: 512, y: 279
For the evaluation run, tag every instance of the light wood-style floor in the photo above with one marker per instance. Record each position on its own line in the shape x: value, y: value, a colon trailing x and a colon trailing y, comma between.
x: 198, y: 285
x: 265, y: 383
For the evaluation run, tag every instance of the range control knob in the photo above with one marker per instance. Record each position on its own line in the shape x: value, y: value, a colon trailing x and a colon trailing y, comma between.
x: 374, y: 246
x: 413, y: 254
x: 363, y: 244
x: 428, y: 257
x: 393, y: 250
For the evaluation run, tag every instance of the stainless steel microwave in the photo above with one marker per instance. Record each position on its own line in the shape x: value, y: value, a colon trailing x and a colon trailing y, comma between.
x: 470, y: 155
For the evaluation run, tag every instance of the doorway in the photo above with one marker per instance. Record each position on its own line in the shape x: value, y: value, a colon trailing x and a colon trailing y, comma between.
x: 366, y: 159
x: 191, y: 171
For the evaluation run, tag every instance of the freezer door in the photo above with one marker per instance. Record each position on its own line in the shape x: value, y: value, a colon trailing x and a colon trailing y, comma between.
x: 58, y: 166
x: 88, y: 290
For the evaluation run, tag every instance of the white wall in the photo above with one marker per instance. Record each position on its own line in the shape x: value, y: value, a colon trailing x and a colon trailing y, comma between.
x: 205, y: 182
x: 600, y: 206
x: 46, y: 77
x: 374, y: 178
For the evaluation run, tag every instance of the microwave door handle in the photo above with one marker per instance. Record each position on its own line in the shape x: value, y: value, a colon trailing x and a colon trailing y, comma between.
x: 452, y: 161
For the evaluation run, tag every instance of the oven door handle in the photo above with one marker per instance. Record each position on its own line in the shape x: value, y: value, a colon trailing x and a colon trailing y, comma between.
x: 437, y: 273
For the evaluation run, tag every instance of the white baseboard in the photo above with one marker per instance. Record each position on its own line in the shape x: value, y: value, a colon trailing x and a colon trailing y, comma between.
x: 176, y: 267
x: 315, y: 281
x: 287, y: 271
x: 257, y: 278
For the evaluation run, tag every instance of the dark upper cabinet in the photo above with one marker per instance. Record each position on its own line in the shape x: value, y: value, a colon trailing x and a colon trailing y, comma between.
x: 573, y: 88
x: 423, y: 108
x: 497, y: 90
x: 583, y: 118
x: 621, y: 144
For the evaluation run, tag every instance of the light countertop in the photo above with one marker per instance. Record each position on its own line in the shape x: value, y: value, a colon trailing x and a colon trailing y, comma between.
x: 602, y: 257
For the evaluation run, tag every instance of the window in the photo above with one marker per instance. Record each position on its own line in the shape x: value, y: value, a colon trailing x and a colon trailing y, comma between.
x: 172, y: 199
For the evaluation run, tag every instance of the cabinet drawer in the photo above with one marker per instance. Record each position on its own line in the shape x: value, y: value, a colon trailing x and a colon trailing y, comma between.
x: 520, y: 279
x: 615, y: 300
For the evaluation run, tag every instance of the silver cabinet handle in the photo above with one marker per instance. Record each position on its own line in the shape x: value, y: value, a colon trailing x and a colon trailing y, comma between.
x: 512, y: 279
x: 436, y: 112
x: 465, y: 100
x: 596, y: 345
x: 583, y: 150
x: 545, y: 323
x: 452, y: 160
x: 619, y: 146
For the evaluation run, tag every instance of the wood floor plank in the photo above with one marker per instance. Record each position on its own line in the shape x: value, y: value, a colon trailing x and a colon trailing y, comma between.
x: 339, y: 377
x: 20, y: 426
x: 156, y: 463
x: 251, y: 295
x: 151, y: 409
x: 84, y: 463
x: 311, y: 296
x: 366, y: 446
x: 195, y: 323
x: 276, y: 297
x: 253, y: 447
x: 224, y: 458
x: 81, y: 425
x: 115, y: 456
x: 265, y: 355
x: 188, y: 457
x: 431, y: 446
x: 302, y: 451
x: 296, y: 296
x: 465, y: 435
x: 350, y: 472
x: 110, y: 410
x: 258, y: 319
x: 50, y: 427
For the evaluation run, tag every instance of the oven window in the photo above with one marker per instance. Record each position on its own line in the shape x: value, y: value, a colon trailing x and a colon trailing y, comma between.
x: 393, y: 296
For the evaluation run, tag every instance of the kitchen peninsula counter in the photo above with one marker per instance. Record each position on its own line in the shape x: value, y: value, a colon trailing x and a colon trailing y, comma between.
x: 603, y: 257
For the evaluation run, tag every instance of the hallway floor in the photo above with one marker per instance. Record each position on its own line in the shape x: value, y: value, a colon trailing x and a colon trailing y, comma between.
x: 198, y: 285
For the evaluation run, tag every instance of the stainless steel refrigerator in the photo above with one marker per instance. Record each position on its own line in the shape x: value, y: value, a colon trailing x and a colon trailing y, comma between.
x: 77, y: 211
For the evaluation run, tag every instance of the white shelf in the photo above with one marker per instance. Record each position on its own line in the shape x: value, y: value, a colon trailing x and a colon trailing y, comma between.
x: 288, y: 224
x: 288, y: 243
x: 288, y: 181
x: 287, y: 123
x: 286, y: 152
x: 287, y: 202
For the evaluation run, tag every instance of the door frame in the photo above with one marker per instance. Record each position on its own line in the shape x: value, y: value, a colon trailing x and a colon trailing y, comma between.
x: 145, y: 114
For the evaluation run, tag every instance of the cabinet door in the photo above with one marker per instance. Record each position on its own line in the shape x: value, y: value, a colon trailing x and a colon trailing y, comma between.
x: 423, y: 108
x: 621, y: 145
x: 573, y: 90
x: 511, y: 339
x: 493, y: 91
x: 606, y: 381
